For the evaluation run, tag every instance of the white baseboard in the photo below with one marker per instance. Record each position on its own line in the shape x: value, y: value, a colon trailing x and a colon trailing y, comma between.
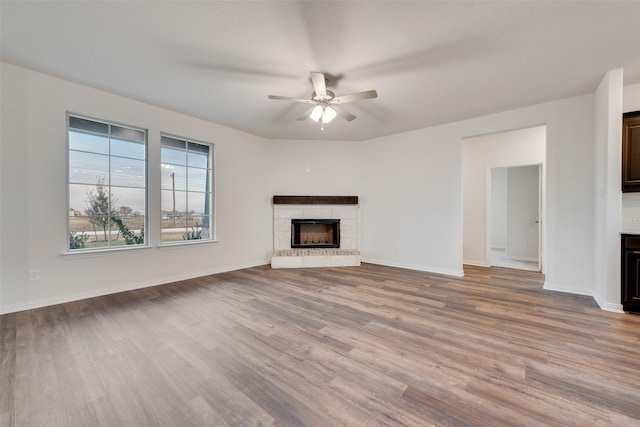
x: 566, y: 289
x: 521, y: 258
x: 608, y: 306
x: 44, y: 302
x: 476, y: 263
x: 605, y: 306
x: 615, y: 308
x: 426, y: 269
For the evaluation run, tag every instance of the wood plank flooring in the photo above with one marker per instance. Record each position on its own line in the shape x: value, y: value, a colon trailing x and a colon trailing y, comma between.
x: 350, y: 346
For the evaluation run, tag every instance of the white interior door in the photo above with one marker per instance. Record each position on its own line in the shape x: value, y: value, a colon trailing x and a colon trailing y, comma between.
x: 516, y: 205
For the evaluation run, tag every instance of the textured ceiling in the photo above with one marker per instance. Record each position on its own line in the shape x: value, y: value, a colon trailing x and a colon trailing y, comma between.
x: 431, y: 62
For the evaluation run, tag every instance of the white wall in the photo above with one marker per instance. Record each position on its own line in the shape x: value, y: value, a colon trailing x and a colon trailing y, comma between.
x: 410, y: 188
x: 315, y: 168
x: 34, y: 211
x: 479, y: 155
x: 607, y: 190
x: 411, y: 204
x: 432, y: 175
x: 499, y: 208
x: 631, y: 98
x: 413, y: 215
x: 522, y: 213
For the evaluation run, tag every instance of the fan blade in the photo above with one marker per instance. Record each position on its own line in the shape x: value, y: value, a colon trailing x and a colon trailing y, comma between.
x: 343, y: 113
x: 306, y: 115
x: 288, y: 98
x: 319, y: 85
x: 354, y: 97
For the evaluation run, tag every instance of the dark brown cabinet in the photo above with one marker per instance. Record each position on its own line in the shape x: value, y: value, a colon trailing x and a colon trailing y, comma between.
x: 631, y: 152
x: 631, y: 273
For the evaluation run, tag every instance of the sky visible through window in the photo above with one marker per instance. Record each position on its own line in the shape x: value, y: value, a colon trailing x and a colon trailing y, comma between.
x: 124, y: 170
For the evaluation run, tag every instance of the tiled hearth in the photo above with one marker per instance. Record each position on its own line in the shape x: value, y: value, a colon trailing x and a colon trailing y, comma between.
x: 286, y: 208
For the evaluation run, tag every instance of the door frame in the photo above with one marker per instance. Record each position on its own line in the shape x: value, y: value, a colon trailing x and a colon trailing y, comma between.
x: 541, y: 209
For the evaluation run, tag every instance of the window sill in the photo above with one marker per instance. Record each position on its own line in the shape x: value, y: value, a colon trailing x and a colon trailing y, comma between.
x: 92, y: 253
x: 184, y: 243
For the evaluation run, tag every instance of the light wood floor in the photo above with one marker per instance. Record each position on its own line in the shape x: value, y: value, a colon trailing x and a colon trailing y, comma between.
x: 353, y: 346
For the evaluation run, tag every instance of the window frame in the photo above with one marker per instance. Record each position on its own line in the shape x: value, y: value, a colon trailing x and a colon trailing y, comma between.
x: 110, y: 247
x: 212, y: 192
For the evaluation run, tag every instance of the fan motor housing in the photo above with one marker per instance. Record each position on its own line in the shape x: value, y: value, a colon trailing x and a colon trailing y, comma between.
x: 330, y: 96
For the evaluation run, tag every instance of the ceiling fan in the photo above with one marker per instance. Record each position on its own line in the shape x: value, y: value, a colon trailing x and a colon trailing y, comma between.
x: 325, y: 102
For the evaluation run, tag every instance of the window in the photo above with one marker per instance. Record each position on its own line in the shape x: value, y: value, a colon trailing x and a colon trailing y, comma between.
x: 186, y: 185
x: 107, y: 179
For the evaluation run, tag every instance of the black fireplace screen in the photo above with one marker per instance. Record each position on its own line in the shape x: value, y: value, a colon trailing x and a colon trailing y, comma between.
x: 315, y: 233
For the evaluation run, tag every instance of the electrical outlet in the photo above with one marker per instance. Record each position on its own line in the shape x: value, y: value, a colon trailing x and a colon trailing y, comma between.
x: 34, y: 275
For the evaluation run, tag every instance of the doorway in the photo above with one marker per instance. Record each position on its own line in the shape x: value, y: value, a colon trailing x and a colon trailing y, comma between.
x: 501, y: 151
x: 514, y: 217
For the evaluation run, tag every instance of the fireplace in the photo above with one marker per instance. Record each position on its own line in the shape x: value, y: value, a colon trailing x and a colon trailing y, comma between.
x: 326, y: 242
x: 315, y: 233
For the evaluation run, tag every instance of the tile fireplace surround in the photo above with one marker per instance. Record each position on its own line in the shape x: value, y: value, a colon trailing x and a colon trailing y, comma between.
x: 286, y: 208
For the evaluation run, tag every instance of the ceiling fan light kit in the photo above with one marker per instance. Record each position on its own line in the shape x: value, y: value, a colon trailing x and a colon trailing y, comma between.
x: 328, y: 114
x: 325, y: 101
x: 322, y: 113
x: 316, y: 113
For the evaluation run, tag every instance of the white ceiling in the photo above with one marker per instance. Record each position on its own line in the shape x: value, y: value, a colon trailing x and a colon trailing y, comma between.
x: 431, y: 62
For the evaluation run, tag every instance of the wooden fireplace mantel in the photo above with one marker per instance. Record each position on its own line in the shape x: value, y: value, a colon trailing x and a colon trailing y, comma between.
x: 315, y: 200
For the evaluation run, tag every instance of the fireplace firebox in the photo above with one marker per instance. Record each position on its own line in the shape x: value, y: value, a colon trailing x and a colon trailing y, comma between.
x: 315, y: 233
